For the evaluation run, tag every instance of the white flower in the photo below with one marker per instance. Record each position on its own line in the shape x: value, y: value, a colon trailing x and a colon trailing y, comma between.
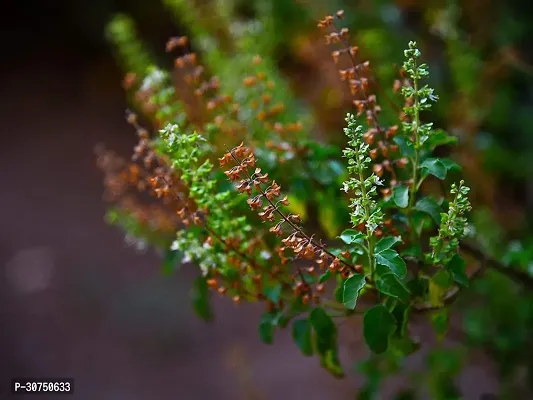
x: 265, y: 254
x: 204, y: 269
x: 371, y: 226
x: 155, y: 78
x: 378, y: 181
x: 345, y: 187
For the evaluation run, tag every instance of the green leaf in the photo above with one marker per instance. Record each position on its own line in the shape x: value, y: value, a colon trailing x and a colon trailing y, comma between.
x: 404, y: 346
x: 171, y: 261
x: 386, y: 243
x: 406, y: 146
x: 435, y: 167
x: 392, y: 260
x: 457, y: 267
x: 350, y: 236
x: 273, y: 293
x: 267, y: 326
x: 329, y: 360
x: 440, y: 138
x: 450, y: 164
x: 352, y: 287
x: 430, y: 207
x: 301, y: 334
x: 381, y: 270
x: 325, y: 328
x: 378, y: 326
x: 266, y: 332
x: 390, y: 285
x: 325, y: 276
x: 400, y: 195
x: 325, y: 339
x: 200, y: 299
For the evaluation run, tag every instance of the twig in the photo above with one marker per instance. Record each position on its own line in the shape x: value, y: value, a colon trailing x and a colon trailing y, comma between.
x: 511, y: 272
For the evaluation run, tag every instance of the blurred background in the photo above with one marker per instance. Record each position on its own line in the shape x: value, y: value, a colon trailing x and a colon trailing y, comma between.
x: 78, y: 302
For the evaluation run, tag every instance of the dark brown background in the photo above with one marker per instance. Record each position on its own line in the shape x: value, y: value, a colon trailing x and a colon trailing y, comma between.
x: 75, y: 301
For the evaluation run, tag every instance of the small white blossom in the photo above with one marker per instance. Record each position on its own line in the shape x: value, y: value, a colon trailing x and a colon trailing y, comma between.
x: 365, y: 208
x: 204, y: 268
x: 345, y: 187
x: 371, y: 226
x: 187, y: 258
x: 265, y: 255
x: 155, y: 78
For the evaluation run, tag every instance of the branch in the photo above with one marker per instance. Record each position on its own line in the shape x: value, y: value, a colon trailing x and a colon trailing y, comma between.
x: 511, y: 272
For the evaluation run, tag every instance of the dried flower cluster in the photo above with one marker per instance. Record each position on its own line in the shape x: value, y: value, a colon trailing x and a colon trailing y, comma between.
x: 265, y: 198
x: 383, y: 150
x: 147, y: 173
x: 250, y: 114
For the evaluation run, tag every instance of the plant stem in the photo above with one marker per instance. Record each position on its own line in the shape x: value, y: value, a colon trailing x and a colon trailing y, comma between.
x: 371, y: 260
x: 369, y: 234
x: 414, y: 187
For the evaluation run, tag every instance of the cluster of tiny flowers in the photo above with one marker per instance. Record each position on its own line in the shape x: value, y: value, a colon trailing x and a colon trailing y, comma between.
x: 454, y: 224
x: 203, y: 254
x: 147, y: 172
x: 416, y: 98
x: 365, y: 209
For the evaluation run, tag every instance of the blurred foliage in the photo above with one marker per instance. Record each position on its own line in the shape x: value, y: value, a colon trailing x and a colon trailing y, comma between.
x: 482, y: 71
